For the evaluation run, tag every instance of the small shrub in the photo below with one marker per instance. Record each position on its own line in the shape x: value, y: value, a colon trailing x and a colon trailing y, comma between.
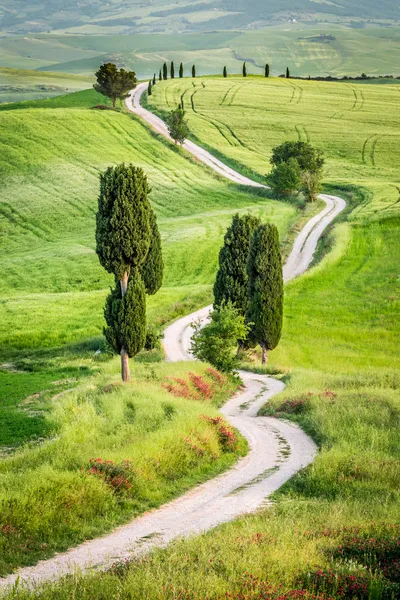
x: 379, y: 550
x: 118, y: 476
x: 336, y: 584
x: 178, y: 387
x: 205, y: 389
x: 226, y: 435
x: 217, y: 376
x: 153, y: 338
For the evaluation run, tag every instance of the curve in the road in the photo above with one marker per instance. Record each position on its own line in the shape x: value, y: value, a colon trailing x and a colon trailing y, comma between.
x: 277, y: 449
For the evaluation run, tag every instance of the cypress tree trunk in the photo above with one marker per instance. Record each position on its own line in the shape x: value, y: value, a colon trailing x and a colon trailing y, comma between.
x: 264, y: 359
x: 125, y: 371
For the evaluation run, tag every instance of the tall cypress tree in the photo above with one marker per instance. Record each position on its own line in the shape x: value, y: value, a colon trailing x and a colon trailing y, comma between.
x: 264, y: 269
x: 287, y: 73
x: 181, y: 70
x: 149, y: 89
x: 194, y: 71
x: 152, y: 269
x: 165, y: 72
x: 160, y: 76
x: 231, y: 284
x: 124, y: 228
x: 267, y: 70
x: 154, y: 79
x: 244, y: 70
x: 225, y: 72
x: 172, y: 70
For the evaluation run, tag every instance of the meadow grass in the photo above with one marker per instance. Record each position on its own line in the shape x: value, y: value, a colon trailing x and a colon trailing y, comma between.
x: 50, y: 498
x: 19, y: 85
x: 338, y: 356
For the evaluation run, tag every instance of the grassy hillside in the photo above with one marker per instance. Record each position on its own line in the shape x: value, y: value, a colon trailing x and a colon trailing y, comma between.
x: 308, y: 48
x: 18, y: 85
x: 157, y: 15
x: 333, y: 529
x: 52, y: 154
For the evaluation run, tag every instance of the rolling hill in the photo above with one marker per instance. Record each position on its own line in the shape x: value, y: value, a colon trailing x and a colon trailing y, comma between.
x: 53, y: 15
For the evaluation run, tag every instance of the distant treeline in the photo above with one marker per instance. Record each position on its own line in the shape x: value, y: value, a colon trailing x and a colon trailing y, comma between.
x: 362, y: 77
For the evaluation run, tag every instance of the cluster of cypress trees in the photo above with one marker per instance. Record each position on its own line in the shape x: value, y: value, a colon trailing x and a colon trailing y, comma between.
x: 163, y: 75
x: 250, y: 278
x: 128, y: 245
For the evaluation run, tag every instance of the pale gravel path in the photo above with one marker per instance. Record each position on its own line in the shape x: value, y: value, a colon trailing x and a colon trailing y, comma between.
x: 278, y: 449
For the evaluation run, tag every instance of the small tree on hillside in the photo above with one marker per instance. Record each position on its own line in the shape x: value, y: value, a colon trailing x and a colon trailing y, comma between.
x: 312, y: 184
x: 216, y: 342
x: 114, y: 83
x: 266, y: 70
x: 244, y: 70
x: 154, y: 79
x: 160, y: 76
x: 225, y: 73
x: 286, y: 178
x: 287, y: 73
x: 181, y: 71
x: 165, y: 72
x: 308, y: 157
x: 264, y: 270
x: 177, y: 126
x: 232, y: 282
x: 172, y: 70
x: 149, y: 89
x: 124, y: 229
x: 194, y: 71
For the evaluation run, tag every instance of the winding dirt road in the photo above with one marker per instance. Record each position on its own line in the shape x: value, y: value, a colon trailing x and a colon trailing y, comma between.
x: 278, y: 449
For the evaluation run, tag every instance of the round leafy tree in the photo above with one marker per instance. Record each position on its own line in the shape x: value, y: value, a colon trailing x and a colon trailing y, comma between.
x: 114, y: 83
x: 177, y: 125
x: 264, y: 270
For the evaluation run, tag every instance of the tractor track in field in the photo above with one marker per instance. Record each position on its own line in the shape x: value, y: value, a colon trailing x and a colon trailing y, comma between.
x: 277, y: 449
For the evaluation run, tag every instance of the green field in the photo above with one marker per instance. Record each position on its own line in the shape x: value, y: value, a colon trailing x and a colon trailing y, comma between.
x: 339, y: 350
x: 17, y: 85
x: 306, y: 47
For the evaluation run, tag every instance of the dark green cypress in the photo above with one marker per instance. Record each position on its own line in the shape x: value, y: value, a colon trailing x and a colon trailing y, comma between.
x: 149, y: 90
x: 264, y: 270
x: 231, y: 284
x: 123, y: 240
x: 160, y: 76
x: 152, y: 269
x: 172, y: 70
x: 194, y: 71
x: 181, y: 70
x: 123, y: 219
x: 287, y: 73
x: 225, y: 72
x: 165, y: 72
x: 244, y: 70
x: 126, y: 317
x: 154, y: 79
x: 267, y: 70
